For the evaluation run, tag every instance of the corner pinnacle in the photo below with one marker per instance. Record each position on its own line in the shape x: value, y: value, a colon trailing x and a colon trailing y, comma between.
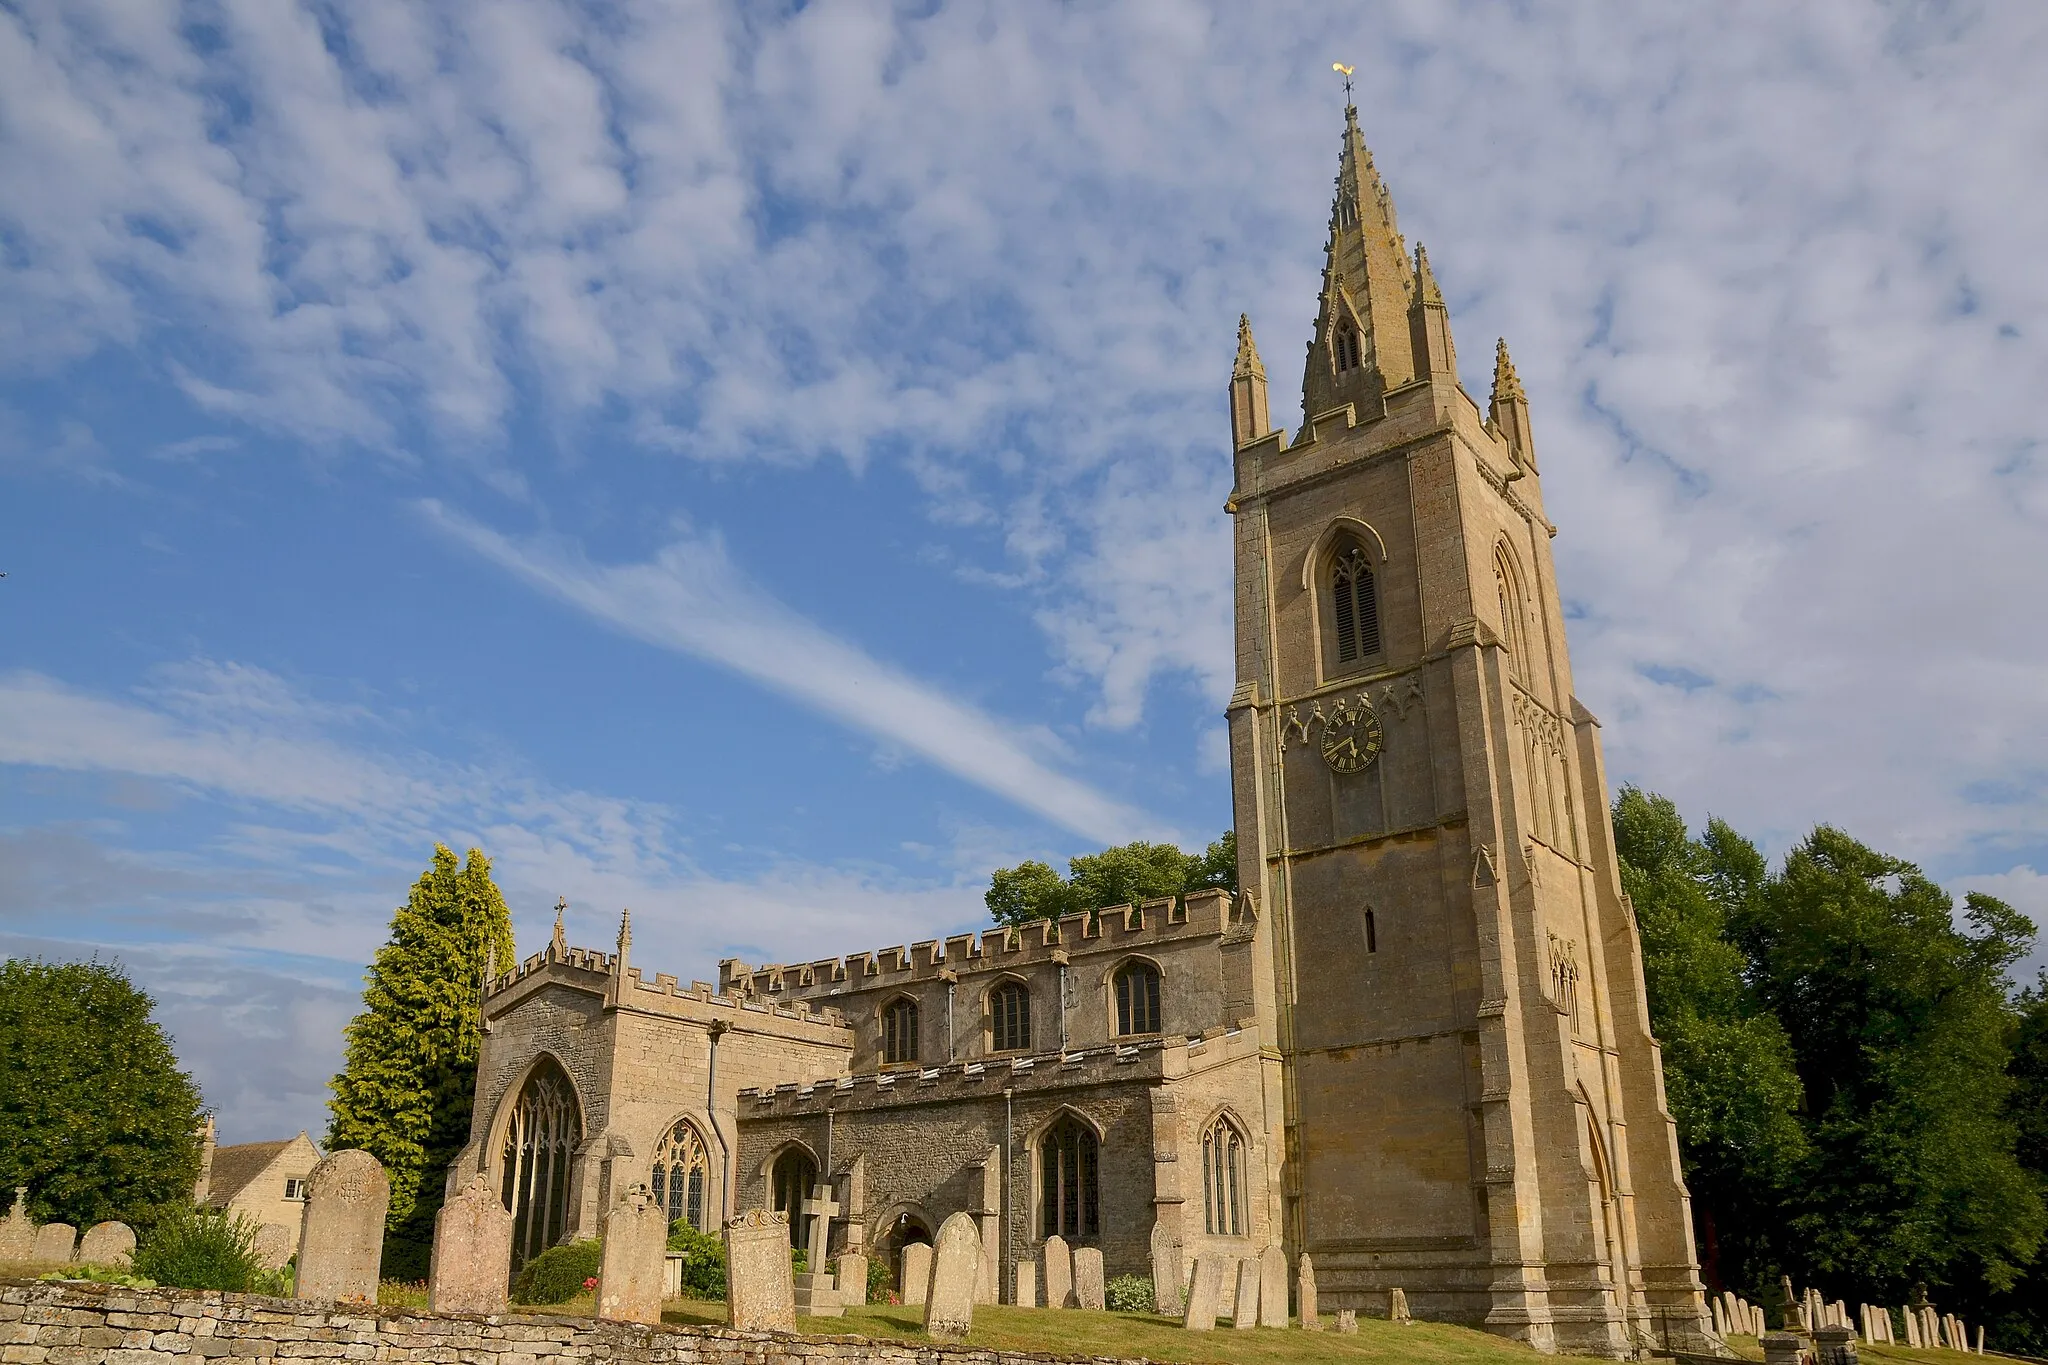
x: 1248, y: 366
x: 1506, y: 387
x: 1425, y: 279
x: 560, y: 942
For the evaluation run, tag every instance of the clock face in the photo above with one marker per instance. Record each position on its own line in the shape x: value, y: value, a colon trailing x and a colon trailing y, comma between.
x: 1351, y: 738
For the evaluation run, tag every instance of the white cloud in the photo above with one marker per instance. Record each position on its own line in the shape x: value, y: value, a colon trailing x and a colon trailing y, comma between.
x: 692, y: 599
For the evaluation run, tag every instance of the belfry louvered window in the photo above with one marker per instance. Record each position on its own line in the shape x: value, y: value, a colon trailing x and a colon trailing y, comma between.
x: 1346, y: 350
x: 1009, y: 1010
x: 1355, y: 608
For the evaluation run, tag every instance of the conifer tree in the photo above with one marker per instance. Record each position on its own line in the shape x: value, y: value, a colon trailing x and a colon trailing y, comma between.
x: 408, y: 1081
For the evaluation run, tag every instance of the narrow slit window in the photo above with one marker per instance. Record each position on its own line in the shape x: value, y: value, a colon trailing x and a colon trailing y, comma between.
x: 1355, y: 606
x: 1372, y: 934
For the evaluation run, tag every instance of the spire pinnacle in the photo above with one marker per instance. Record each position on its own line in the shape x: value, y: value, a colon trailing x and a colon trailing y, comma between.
x: 1510, y: 410
x: 1506, y: 387
x: 1248, y: 410
x: 625, y: 930
x: 559, y: 945
x: 1248, y: 366
x: 1425, y: 279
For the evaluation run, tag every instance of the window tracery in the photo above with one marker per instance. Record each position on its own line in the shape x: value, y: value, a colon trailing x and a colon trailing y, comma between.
x: 682, y: 1169
x: 1223, y: 1160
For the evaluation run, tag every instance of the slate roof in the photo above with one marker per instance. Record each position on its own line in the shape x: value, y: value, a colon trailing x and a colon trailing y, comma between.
x: 234, y: 1167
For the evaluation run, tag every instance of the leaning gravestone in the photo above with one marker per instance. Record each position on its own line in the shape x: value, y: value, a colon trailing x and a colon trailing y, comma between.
x: 274, y: 1245
x: 1059, y: 1273
x: 54, y: 1242
x: 108, y: 1244
x: 1088, y: 1291
x: 956, y: 1264
x: 472, y: 1252
x: 1244, y: 1311
x: 17, y: 1229
x: 1203, y: 1291
x: 917, y: 1271
x: 1166, y: 1272
x: 341, y: 1240
x: 760, y: 1290
x: 629, y: 1278
x: 1027, y: 1285
x: 1273, y: 1287
x: 1305, y: 1293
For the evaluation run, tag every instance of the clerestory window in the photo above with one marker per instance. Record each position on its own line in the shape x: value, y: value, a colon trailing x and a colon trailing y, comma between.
x: 899, y: 1032
x: 1009, y: 1008
x: 1137, y: 998
x: 1354, y: 605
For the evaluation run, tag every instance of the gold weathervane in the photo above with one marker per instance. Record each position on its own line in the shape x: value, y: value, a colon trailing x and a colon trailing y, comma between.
x: 1345, y: 72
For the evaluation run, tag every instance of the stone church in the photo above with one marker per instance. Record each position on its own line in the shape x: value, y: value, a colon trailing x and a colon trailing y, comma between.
x: 1415, y: 1044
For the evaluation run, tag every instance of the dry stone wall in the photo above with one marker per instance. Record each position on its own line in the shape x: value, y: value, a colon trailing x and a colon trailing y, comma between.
x: 49, y: 1324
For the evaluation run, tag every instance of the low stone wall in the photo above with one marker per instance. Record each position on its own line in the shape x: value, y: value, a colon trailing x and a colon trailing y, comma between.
x: 57, y: 1324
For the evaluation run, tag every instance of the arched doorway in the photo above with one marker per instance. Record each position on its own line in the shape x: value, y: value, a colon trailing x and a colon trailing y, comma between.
x: 682, y: 1172
x: 907, y: 1230
x: 540, y: 1139
x: 790, y: 1182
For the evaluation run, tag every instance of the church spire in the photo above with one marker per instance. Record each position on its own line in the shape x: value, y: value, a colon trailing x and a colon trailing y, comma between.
x: 1510, y: 407
x: 1362, y: 345
x: 1248, y: 412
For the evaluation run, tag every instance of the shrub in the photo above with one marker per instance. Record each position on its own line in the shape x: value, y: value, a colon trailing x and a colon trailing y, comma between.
x: 197, y: 1248
x: 557, y: 1274
x: 101, y: 1274
x: 1129, y: 1294
x: 703, y: 1261
x: 878, y: 1281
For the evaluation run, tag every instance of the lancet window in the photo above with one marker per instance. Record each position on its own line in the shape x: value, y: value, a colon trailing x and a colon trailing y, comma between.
x: 1354, y: 605
x: 899, y: 1032
x: 1009, y: 1009
x: 1223, y: 1202
x: 540, y: 1140
x: 1070, y: 1205
x: 1512, y: 622
x: 1137, y: 998
x: 682, y: 1170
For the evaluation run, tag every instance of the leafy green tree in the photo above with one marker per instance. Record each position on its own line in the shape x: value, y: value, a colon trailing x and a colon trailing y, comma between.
x: 2019, y: 1317
x: 1902, y: 1026
x: 1116, y: 876
x: 96, y: 1117
x: 409, y: 1079
x: 1728, y: 1066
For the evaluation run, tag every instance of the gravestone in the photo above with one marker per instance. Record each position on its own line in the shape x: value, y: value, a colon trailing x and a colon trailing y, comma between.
x: 341, y: 1237
x: 1273, y: 1287
x: 635, y: 1248
x: 1397, y: 1304
x: 1347, y: 1320
x: 17, y: 1229
x: 274, y: 1245
x: 108, y: 1244
x: 917, y: 1271
x: 1059, y: 1273
x: 472, y: 1252
x: 1244, y: 1311
x: 1166, y: 1272
x: 816, y: 1294
x: 1305, y: 1293
x: 54, y: 1242
x: 1088, y: 1279
x: 1783, y: 1348
x: 956, y: 1264
x: 1027, y: 1285
x: 1203, y: 1291
x: 851, y: 1276
x: 760, y: 1292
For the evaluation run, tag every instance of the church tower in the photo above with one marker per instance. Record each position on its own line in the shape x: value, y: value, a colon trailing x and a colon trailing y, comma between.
x: 1473, y: 1103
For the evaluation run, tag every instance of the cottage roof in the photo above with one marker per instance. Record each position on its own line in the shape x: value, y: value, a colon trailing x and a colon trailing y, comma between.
x: 236, y: 1167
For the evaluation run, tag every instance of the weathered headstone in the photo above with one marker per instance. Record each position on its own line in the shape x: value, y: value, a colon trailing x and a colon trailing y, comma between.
x: 760, y: 1292
x: 54, y: 1242
x: 1305, y: 1293
x: 1783, y: 1348
x: 1167, y: 1276
x: 635, y: 1244
x: 1347, y: 1320
x: 1088, y: 1291
x: 1059, y: 1273
x: 1834, y: 1344
x: 107, y: 1244
x: 956, y: 1262
x: 1027, y: 1285
x: 1397, y: 1304
x: 1203, y: 1291
x: 917, y: 1271
x: 472, y: 1252
x: 1244, y: 1310
x: 851, y: 1277
x: 274, y: 1245
x: 817, y: 1296
x: 1273, y: 1287
x: 17, y: 1229
x: 341, y: 1239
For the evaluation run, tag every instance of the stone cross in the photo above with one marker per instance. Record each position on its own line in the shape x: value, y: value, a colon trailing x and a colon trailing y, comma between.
x: 472, y: 1252
x: 956, y: 1267
x: 760, y: 1293
x: 341, y: 1239
x: 820, y: 1209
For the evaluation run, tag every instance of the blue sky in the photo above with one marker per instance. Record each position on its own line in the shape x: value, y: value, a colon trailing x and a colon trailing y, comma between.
x: 764, y: 465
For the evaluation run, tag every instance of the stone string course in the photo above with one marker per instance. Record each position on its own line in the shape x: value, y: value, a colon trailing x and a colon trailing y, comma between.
x: 56, y: 1324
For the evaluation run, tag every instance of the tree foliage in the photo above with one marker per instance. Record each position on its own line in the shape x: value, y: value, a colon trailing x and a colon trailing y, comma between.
x: 408, y: 1081
x: 96, y: 1117
x: 1116, y: 876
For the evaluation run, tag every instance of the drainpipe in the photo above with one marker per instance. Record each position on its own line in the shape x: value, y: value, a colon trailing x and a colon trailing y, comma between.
x: 1066, y: 993
x: 952, y: 985
x: 1009, y: 1179
x: 716, y: 1029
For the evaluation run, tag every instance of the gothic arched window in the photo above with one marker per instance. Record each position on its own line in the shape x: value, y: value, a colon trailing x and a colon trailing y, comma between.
x: 1223, y: 1204
x: 1347, y: 349
x: 681, y: 1172
x: 789, y: 1185
x: 899, y: 1031
x: 1009, y: 1013
x: 1354, y: 605
x: 1068, y: 1156
x: 1512, y: 622
x: 539, y: 1141
x: 1137, y: 998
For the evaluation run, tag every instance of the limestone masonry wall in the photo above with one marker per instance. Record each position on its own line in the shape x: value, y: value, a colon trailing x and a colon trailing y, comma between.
x: 49, y: 1324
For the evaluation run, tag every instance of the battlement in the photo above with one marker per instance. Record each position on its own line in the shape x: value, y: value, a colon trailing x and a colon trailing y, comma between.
x: 594, y: 971
x: 1115, y: 928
